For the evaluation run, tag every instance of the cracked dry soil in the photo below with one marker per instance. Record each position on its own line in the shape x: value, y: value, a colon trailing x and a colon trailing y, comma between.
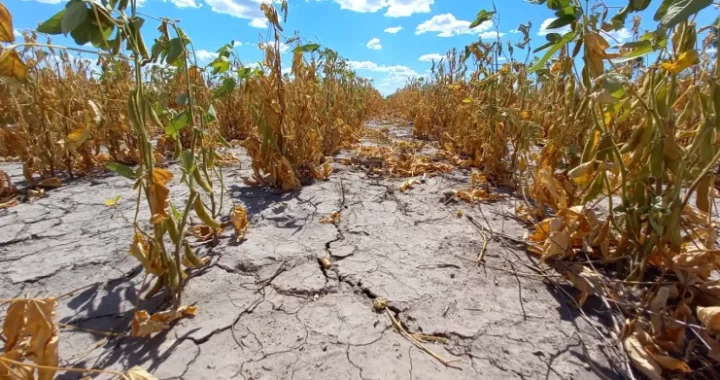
x: 268, y: 310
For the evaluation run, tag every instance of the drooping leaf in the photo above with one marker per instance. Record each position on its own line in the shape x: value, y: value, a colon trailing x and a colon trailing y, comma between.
x: 176, y: 49
x: 307, y: 48
x: 76, y: 14
x: 680, y: 10
x: 562, y: 21
x: 12, y: 67
x: 6, y: 27
x: 53, y: 24
x: 482, y: 17
x: 121, y: 169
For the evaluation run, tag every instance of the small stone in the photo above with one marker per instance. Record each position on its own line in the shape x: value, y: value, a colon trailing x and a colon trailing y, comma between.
x: 316, y: 297
x: 324, y: 348
x: 452, y: 275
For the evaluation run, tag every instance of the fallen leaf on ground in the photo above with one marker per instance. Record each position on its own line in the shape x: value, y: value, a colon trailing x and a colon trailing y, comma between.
x: 334, y: 218
x: 238, y: 215
x: 642, y: 359
x: 113, y: 201
x: 144, y: 324
x: 50, y: 183
x: 137, y: 373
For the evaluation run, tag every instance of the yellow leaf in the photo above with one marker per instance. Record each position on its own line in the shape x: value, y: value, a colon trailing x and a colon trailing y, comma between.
x: 144, y: 324
x: 6, y: 28
x: 137, y: 373
x: 11, y: 66
x: 595, y: 46
x: 405, y: 186
x: 556, y: 244
x: 113, y: 201
x: 161, y: 176
x: 467, y: 100
x: 642, y: 359
x: 685, y: 60
x: 334, y: 218
x: 238, y: 215
x: 709, y: 317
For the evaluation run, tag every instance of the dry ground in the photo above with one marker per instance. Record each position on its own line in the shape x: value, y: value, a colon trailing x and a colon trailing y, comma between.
x: 268, y: 310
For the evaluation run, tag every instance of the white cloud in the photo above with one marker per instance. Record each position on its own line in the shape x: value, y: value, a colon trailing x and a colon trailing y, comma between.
x: 395, y: 8
x: 514, y: 31
x: 374, y: 44
x: 283, y: 47
x: 446, y: 25
x: 502, y: 59
x: 259, y: 23
x: 393, y: 29
x: 204, y: 55
x: 48, y: 1
x: 404, y: 8
x: 184, y: 3
x: 430, y: 57
x: 619, y: 36
x: 545, y: 31
x: 17, y: 33
x: 245, y: 9
x: 491, y: 34
x: 397, y: 70
x: 237, y: 43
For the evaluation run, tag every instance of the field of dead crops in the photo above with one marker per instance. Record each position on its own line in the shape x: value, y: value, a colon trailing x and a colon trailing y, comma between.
x: 502, y: 217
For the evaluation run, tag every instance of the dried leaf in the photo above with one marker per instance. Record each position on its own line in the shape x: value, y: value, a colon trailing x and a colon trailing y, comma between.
x: 405, y: 186
x: 144, y: 324
x: 6, y: 27
x: 239, y: 218
x: 334, y: 218
x: 642, y: 359
x: 137, y: 373
x: 12, y: 67
x: 557, y: 244
x: 709, y: 317
x: 205, y: 233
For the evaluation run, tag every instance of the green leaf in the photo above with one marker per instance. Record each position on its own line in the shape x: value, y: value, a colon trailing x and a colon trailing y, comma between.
x: 557, y: 46
x: 562, y: 21
x: 244, y: 73
x: 177, y: 124
x: 307, y: 48
x: 482, y: 17
x: 226, y: 88
x: 53, y: 24
x: 639, y: 49
x: 76, y: 14
x: 175, y: 51
x: 224, y: 142
x: 558, y: 4
x: 121, y: 169
x: 681, y: 10
x: 220, y: 65
x: 211, y: 114
x: 662, y: 10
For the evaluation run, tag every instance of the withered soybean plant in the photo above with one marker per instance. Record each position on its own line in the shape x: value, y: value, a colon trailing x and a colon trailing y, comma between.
x: 109, y: 27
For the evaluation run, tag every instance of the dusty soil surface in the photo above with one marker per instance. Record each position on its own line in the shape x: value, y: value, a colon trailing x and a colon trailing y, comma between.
x: 268, y: 310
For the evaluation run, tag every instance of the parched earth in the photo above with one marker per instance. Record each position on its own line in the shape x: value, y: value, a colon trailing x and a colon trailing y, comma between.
x: 267, y: 309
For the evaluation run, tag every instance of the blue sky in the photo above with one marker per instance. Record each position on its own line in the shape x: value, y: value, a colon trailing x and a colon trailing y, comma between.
x: 386, y: 40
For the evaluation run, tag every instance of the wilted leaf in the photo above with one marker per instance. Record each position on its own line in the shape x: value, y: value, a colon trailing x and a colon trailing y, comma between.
x: 556, y: 244
x: 11, y: 66
x: 405, y: 186
x: 204, y: 233
x: 6, y: 27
